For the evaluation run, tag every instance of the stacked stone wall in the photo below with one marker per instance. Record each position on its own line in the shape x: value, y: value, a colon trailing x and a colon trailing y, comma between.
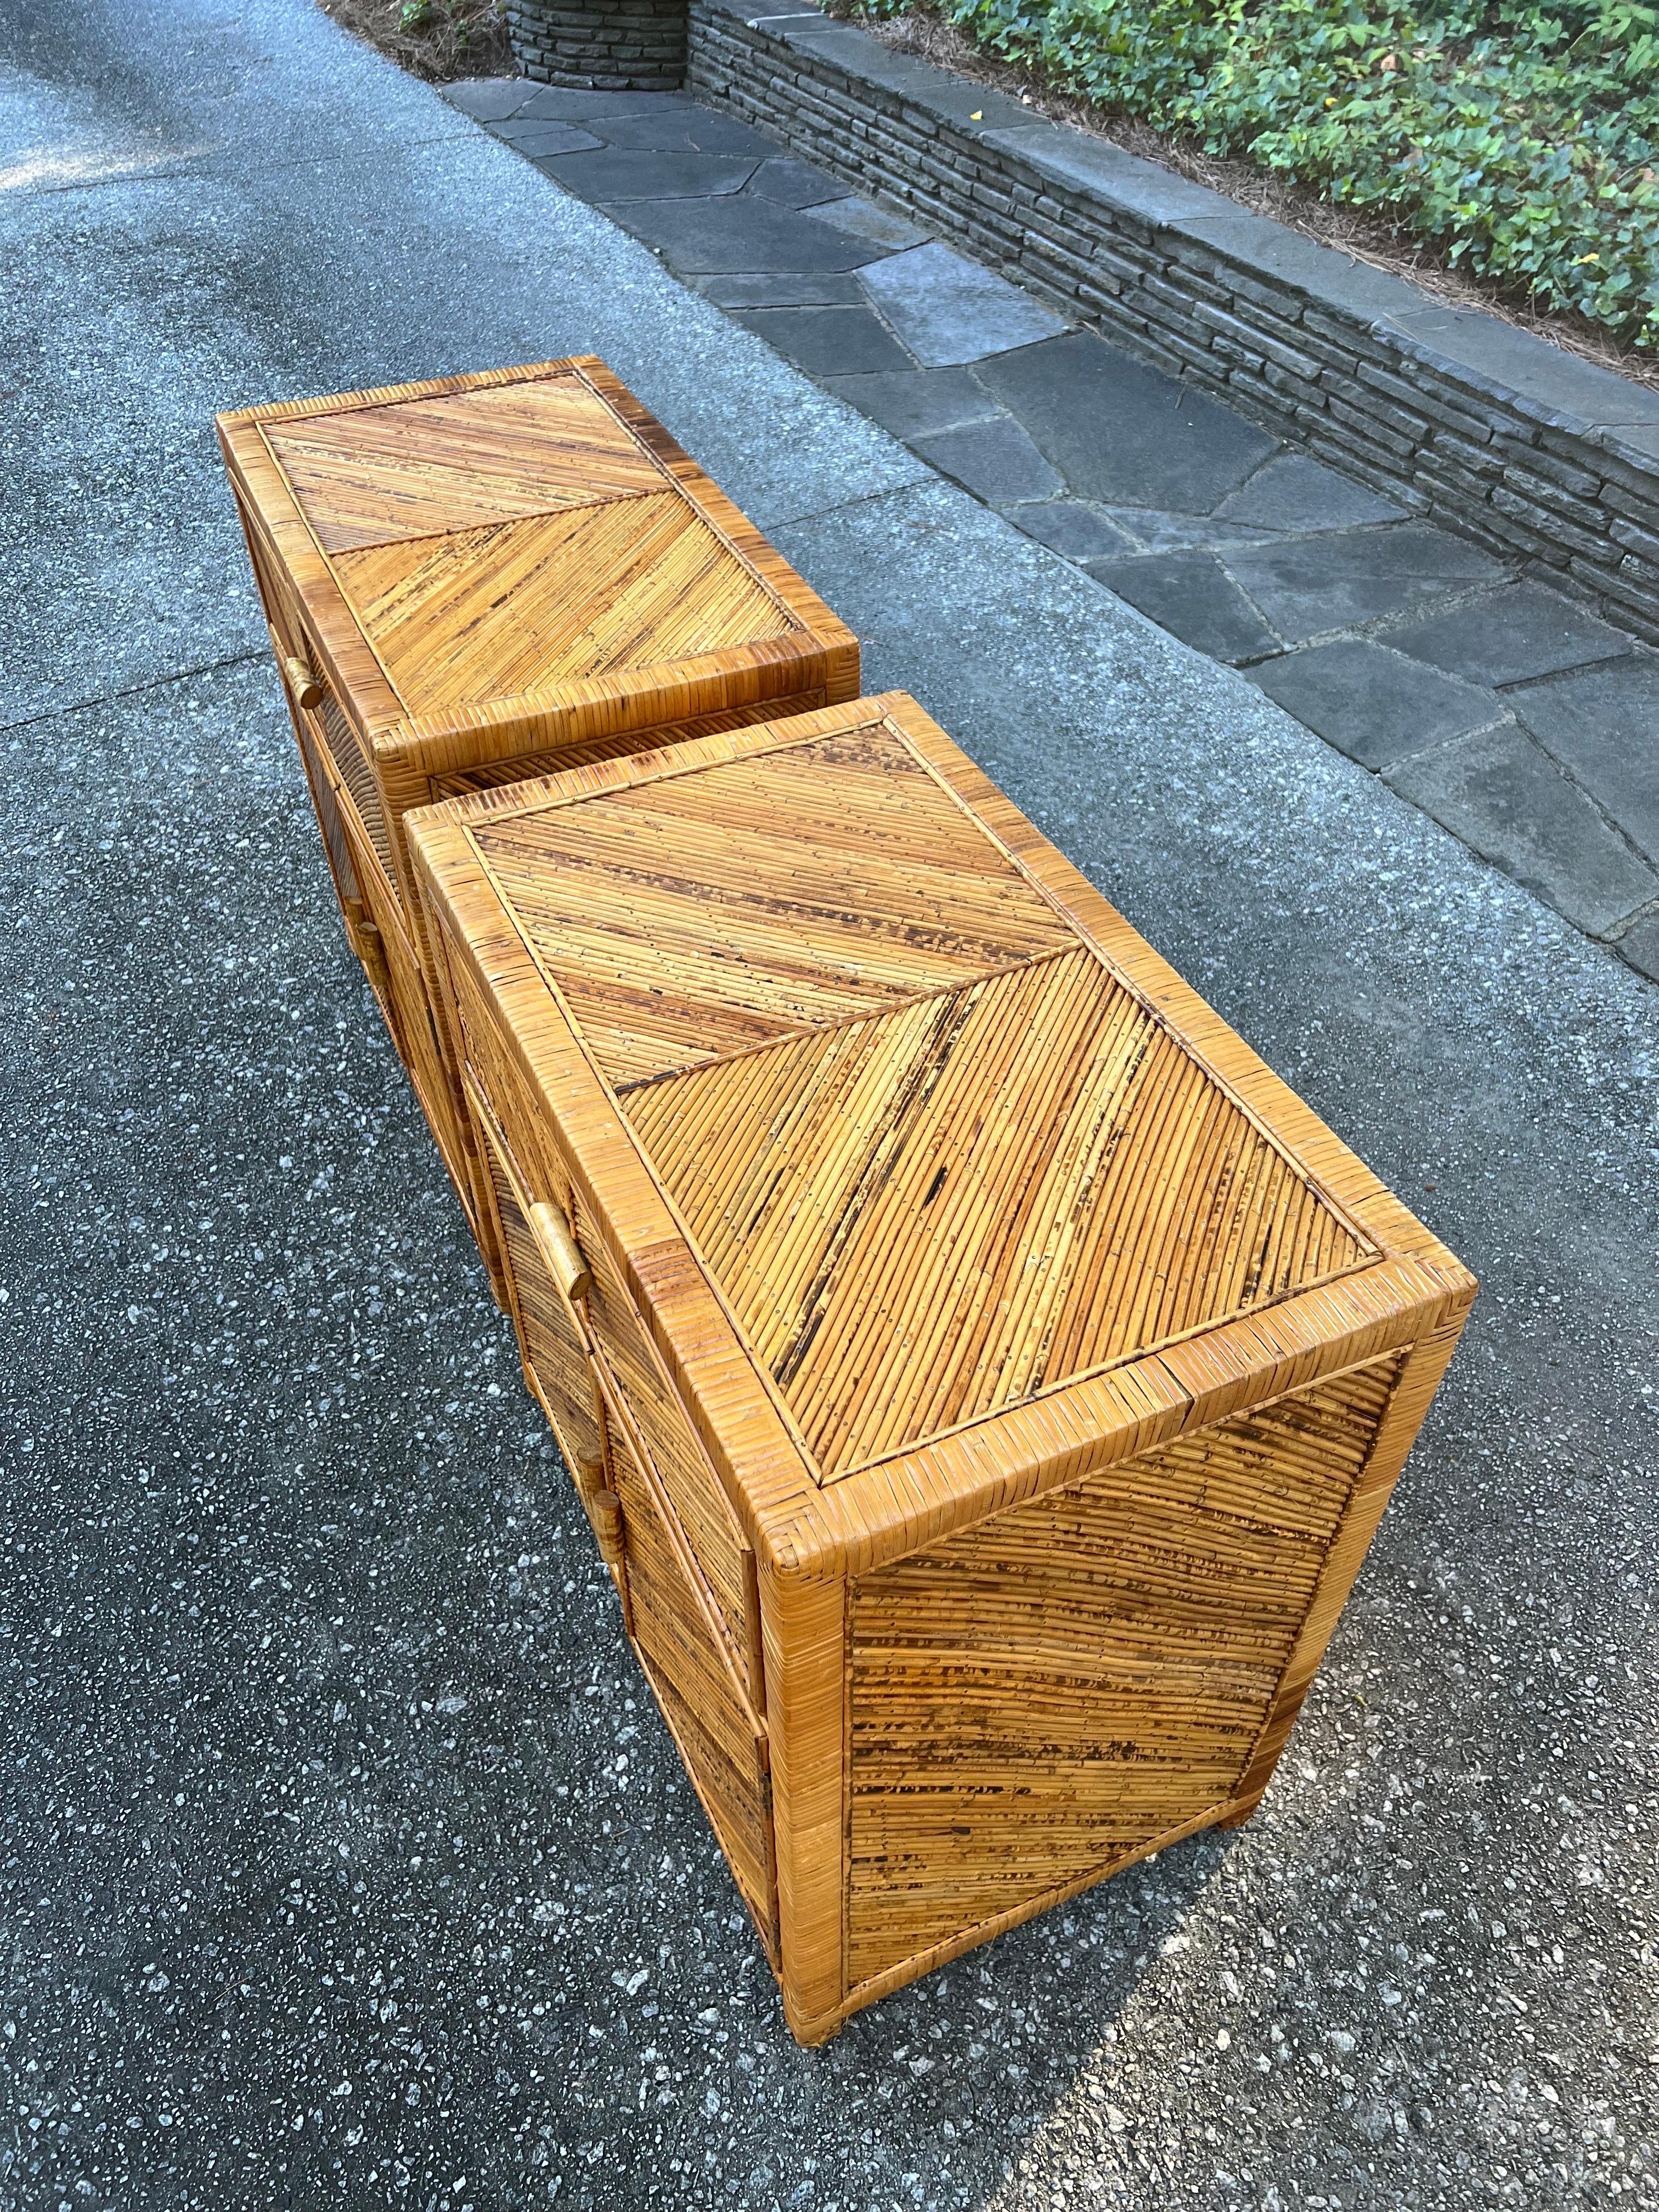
x: 1470, y: 420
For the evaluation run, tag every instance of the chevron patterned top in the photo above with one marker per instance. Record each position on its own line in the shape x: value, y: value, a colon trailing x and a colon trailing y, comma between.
x: 936, y: 1155
x: 517, y: 607
x: 422, y: 466
x: 501, y: 542
x: 698, y: 914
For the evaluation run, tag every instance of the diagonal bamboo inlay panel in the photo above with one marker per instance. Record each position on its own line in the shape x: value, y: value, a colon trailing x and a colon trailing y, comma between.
x: 422, y: 466
x: 521, y: 606
x: 696, y: 915
x: 1049, y: 1691
x: 932, y: 1213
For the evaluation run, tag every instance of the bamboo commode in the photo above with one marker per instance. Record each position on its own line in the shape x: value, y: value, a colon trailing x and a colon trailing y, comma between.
x: 984, y: 1375
x: 480, y: 578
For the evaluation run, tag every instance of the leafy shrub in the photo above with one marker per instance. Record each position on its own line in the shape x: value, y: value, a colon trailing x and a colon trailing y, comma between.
x: 1524, y: 139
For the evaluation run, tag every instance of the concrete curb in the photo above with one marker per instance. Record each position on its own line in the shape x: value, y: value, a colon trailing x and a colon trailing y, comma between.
x: 1492, y: 432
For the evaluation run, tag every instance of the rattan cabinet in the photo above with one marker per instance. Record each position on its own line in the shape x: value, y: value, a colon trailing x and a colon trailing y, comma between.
x: 984, y: 1376
x: 482, y: 578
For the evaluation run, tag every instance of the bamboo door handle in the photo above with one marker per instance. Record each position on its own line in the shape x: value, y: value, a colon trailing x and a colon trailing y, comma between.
x: 308, y: 692
x: 560, y: 1250
x: 590, y: 1473
x: 605, y: 1511
x: 607, y: 1516
x: 371, y: 951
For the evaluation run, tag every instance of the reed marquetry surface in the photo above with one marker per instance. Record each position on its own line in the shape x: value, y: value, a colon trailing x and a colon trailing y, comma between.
x: 1046, y: 1692
x: 489, y: 775
x: 1002, y: 1372
x: 923, y: 1216
x: 413, y: 468
x: 483, y: 578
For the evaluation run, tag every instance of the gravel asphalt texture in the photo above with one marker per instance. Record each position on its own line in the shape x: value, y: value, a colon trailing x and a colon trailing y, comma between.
x: 345, y: 1860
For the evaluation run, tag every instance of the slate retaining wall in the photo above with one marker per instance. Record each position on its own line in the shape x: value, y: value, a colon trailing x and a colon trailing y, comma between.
x: 1491, y: 432
x: 622, y: 45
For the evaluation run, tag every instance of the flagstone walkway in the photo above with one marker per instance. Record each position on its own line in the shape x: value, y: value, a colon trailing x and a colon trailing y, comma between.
x: 1511, y: 714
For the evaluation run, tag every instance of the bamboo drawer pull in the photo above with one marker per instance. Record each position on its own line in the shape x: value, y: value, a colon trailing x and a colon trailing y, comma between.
x: 308, y: 692
x: 560, y: 1250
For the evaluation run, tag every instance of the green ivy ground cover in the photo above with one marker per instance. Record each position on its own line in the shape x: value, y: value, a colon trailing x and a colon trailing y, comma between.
x: 1524, y: 140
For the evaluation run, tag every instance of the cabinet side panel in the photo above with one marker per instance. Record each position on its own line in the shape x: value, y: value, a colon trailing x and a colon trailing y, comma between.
x: 1044, y: 1694
x: 1420, y: 1377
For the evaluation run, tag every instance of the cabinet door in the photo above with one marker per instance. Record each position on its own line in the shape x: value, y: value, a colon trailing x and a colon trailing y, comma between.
x: 335, y: 842
x: 529, y: 1141
x: 719, y: 1738
x: 675, y: 1458
x: 673, y: 1615
x: 552, y: 1343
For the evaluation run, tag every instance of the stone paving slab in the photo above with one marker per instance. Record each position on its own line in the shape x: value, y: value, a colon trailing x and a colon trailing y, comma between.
x: 1157, y: 531
x: 1371, y: 703
x: 1294, y: 492
x: 1599, y: 725
x: 683, y: 126
x: 918, y: 404
x: 865, y: 220
x: 619, y: 174
x: 1193, y: 597
x: 1526, y: 632
x: 1345, y: 578
x: 997, y: 461
x: 794, y: 184
x: 948, y: 310
x: 1505, y: 796
x: 828, y: 341
x: 538, y: 140
x: 1124, y: 434
x: 1080, y: 532
x: 781, y: 288
x: 347, y: 1859
x: 701, y: 237
x: 1241, y: 547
